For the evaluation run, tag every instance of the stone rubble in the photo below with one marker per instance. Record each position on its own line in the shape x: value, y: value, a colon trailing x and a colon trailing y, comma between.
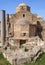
x: 35, y: 47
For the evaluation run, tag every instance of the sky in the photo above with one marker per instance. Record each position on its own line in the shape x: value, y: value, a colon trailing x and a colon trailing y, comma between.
x: 37, y: 6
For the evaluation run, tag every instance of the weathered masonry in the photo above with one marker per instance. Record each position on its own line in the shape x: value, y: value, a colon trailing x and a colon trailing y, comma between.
x: 19, y: 27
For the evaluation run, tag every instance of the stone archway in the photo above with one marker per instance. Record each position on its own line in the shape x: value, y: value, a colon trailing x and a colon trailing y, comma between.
x: 22, y: 42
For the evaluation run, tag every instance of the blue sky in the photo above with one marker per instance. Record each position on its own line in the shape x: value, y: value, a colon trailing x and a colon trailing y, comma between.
x: 37, y: 6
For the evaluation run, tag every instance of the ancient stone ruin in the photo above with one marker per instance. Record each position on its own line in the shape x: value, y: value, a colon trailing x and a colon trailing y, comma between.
x: 22, y: 35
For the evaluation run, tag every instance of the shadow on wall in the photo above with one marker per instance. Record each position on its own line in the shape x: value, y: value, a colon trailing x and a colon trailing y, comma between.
x: 39, y: 30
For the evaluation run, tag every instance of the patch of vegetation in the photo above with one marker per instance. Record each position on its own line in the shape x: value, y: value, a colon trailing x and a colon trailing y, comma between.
x: 21, y: 46
x: 39, y: 61
x: 26, y: 49
x: 0, y: 46
x: 3, y: 61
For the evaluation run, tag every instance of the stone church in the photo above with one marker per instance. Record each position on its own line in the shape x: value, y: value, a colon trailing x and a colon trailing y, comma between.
x: 18, y: 28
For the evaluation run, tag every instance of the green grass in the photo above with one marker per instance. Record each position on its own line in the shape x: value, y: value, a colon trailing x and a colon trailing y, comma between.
x: 39, y: 61
x: 3, y: 61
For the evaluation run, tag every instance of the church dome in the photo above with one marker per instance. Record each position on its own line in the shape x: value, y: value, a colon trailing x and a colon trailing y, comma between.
x: 22, y: 7
x: 22, y: 4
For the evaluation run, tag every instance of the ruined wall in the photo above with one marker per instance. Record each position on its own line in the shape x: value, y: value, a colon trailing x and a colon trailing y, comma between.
x: 41, y: 25
x: 20, y: 22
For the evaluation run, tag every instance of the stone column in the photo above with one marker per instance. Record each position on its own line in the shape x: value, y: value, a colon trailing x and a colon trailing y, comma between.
x: 7, y: 25
x: 3, y: 26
